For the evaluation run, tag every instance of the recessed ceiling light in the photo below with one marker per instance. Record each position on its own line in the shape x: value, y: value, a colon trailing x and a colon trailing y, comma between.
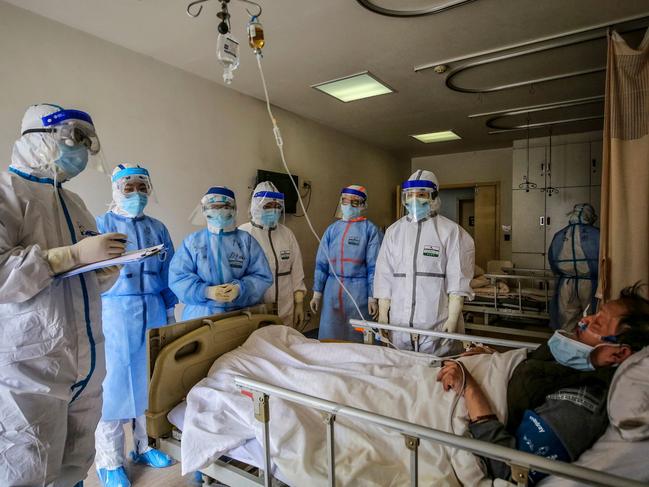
x: 437, y: 136
x: 354, y: 87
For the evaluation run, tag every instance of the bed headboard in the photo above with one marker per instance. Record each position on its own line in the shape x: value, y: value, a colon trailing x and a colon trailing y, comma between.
x: 180, y: 355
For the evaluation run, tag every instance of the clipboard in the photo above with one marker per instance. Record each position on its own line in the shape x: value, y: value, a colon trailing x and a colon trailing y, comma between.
x: 127, y: 258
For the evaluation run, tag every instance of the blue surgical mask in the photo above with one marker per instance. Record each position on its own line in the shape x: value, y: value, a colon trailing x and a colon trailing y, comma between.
x: 270, y: 217
x: 350, y: 212
x: 570, y: 352
x: 220, y: 218
x: 134, y: 203
x: 419, y: 208
x: 73, y: 160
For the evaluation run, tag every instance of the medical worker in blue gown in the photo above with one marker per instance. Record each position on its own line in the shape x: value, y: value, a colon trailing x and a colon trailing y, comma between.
x: 139, y: 300
x: 574, y: 257
x: 219, y: 268
x: 352, y: 245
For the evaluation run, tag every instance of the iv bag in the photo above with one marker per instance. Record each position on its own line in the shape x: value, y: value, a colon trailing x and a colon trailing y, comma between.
x: 255, y: 34
x: 227, y: 52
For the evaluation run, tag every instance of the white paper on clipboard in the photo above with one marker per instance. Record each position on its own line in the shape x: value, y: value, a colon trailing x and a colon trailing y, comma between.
x: 127, y: 258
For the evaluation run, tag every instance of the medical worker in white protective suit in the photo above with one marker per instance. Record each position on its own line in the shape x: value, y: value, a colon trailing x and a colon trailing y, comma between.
x: 424, y: 269
x: 282, y: 252
x: 51, y: 345
x: 140, y: 300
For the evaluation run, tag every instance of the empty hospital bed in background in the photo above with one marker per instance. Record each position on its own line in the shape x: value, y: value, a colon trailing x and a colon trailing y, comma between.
x: 184, y: 355
x: 516, y: 296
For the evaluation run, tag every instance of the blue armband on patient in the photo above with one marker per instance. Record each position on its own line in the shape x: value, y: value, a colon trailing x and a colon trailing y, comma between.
x: 534, y: 435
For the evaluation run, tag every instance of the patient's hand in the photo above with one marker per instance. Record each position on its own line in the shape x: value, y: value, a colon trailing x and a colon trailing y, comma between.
x: 477, y: 350
x: 454, y: 376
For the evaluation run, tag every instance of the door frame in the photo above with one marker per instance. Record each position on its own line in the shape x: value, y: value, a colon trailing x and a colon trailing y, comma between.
x: 478, y: 185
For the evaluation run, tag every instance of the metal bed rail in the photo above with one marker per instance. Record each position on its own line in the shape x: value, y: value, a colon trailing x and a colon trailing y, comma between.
x: 519, y: 289
x: 521, y: 463
x: 368, y: 328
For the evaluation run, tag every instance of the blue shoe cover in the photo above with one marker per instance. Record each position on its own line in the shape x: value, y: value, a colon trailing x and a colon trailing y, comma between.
x: 153, y: 458
x: 113, y: 478
x: 198, y: 478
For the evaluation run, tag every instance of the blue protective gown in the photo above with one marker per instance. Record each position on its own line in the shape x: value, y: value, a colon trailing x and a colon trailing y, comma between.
x: 138, y: 301
x: 353, y: 247
x: 574, y: 257
x: 209, y: 259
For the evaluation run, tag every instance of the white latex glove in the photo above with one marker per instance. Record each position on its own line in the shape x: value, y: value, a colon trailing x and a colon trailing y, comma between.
x: 384, y: 309
x: 107, y: 276
x: 86, y: 251
x: 373, y: 308
x: 315, y: 302
x: 455, y: 303
x: 223, y: 293
x: 171, y: 317
x: 298, y: 309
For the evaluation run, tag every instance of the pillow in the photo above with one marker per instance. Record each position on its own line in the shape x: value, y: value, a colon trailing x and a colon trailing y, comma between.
x: 610, y: 454
x: 628, y: 397
x: 177, y: 415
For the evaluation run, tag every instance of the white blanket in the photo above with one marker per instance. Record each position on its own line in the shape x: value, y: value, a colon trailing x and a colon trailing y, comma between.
x: 389, y: 382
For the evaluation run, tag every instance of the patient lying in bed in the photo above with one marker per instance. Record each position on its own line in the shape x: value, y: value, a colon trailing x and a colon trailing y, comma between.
x: 557, y: 397
x: 391, y: 382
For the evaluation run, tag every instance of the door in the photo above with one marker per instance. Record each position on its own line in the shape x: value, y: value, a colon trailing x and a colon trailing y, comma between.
x: 528, y: 229
x: 467, y: 216
x: 486, y: 224
x: 569, y: 165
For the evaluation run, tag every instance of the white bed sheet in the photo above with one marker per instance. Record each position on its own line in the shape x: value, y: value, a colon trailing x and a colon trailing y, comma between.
x: 251, y: 452
x: 390, y: 382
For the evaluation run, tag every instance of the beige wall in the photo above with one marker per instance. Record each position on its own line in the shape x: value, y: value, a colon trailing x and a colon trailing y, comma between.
x: 476, y: 167
x: 191, y: 133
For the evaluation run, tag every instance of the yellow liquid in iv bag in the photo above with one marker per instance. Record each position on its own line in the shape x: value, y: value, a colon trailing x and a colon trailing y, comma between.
x: 256, y: 35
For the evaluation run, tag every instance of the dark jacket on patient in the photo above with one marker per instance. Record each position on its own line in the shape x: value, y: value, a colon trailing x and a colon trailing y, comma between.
x: 572, y: 402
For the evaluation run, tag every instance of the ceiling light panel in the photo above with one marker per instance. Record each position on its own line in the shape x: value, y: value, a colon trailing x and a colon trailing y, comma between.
x: 355, y: 87
x: 431, y: 137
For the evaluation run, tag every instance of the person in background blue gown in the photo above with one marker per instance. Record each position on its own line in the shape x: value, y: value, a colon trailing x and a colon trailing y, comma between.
x: 138, y: 301
x: 574, y: 257
x: 352, y: 245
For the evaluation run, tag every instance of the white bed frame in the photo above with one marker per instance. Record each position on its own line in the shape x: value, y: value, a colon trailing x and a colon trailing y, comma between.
x: 236, y: 327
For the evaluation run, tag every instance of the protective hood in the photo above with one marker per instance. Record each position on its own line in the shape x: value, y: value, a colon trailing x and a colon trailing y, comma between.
x: 35, y: 153
x: 264, y: 193
x: 121, y: 175
x: 582, y: 213
x: 423, y: 175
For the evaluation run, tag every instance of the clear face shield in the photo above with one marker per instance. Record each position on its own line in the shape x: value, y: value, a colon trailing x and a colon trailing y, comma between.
x: 352, y: 204
x: 131, y: 189
x: 420, y: 198
x: 267, y: 209
x: 217, y: 209
x: 133, y: 180
x: 77, y: 142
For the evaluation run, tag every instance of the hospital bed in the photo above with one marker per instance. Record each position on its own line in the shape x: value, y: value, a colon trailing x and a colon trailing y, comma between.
x: 182, y: 354
x: 515, y: 294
